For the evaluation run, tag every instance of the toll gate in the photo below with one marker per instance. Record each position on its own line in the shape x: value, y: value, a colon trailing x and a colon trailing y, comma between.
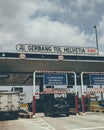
x: 17, y: 68
x: 55, y: 82
x: 92, y: 91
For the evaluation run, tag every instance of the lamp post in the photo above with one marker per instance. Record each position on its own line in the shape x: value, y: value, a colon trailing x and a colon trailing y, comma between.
x: 96, y: 38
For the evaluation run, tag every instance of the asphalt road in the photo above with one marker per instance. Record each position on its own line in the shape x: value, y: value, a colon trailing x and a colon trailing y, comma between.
x: 86, y: 122
x: 40, y: 122
x: 20, y: 124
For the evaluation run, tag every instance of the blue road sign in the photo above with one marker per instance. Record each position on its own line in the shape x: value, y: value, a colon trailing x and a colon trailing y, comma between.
x: 54, y: 79
x: 96, y: 79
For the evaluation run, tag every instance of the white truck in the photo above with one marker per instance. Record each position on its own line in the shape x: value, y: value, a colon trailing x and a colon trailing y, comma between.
x: 9, y: 104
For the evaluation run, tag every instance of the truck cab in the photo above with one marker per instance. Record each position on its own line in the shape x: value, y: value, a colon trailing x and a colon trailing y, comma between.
x: 9, y: 104
x: 56, y: 103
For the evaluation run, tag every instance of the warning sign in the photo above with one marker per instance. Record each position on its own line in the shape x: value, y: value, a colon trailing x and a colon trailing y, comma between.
x: 97, y: 79
x: 54, y: 79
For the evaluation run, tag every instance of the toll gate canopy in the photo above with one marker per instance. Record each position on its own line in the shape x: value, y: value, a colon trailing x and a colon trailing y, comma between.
x: 18, y: 68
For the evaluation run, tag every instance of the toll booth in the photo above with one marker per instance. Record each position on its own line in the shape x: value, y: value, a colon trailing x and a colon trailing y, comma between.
x: 92, y: 91
x: 54, y: 79
x: 57, y: 100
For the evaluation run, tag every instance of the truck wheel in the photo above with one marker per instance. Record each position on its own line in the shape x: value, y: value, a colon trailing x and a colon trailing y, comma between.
x: 67, y: 114
x: 15, y: 116
x: 52, y: 114
x: 45, y: 113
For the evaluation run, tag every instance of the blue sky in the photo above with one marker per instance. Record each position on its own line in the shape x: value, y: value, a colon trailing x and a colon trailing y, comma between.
x: 53, y: 22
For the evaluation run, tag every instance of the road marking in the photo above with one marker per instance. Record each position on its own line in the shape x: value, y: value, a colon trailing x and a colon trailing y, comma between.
x: 89, y: 128
x: 39, y: 123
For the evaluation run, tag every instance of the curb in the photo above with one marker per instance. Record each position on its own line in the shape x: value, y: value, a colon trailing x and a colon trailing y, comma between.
x: 97, y: 110
x: 26, y: 116
x: 81, y: 113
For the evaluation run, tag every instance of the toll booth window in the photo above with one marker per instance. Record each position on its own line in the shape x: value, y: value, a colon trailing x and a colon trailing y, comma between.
x: 78, y: 78
x: 70, y: 78
x: 86, y: 79
x: 39, y: 79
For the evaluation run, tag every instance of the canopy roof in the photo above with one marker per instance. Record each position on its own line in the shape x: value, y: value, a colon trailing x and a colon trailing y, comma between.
x: 20, y: 71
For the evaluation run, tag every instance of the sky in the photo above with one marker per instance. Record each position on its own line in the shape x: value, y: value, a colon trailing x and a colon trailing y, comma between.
x: 51, y: 22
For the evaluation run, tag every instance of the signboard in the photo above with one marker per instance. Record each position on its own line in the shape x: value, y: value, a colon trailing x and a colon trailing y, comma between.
x: 4, y: 75
x: 32, y: 48
x: 54, y: 79
x: 97, y: 79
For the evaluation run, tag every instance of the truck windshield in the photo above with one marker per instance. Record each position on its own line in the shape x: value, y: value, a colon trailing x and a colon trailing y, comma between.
x: 60, y: 100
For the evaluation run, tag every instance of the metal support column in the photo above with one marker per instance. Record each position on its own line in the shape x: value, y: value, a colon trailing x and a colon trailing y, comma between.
x: 82, y: 92
x: 76, y: 93
x: 34, y: 97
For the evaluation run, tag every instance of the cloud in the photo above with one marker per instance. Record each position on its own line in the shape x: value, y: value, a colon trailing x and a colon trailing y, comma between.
x: 9, y: 9
x: 44, y: 31
x: 49, y: 22
x: 101, y: 35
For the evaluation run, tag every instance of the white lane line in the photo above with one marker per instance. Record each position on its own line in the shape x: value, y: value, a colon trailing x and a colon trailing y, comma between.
x: 42, y: 124
x: 89, y: 128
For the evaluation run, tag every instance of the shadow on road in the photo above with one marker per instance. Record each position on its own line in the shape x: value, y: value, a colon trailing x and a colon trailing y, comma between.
x: 6, y: 119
